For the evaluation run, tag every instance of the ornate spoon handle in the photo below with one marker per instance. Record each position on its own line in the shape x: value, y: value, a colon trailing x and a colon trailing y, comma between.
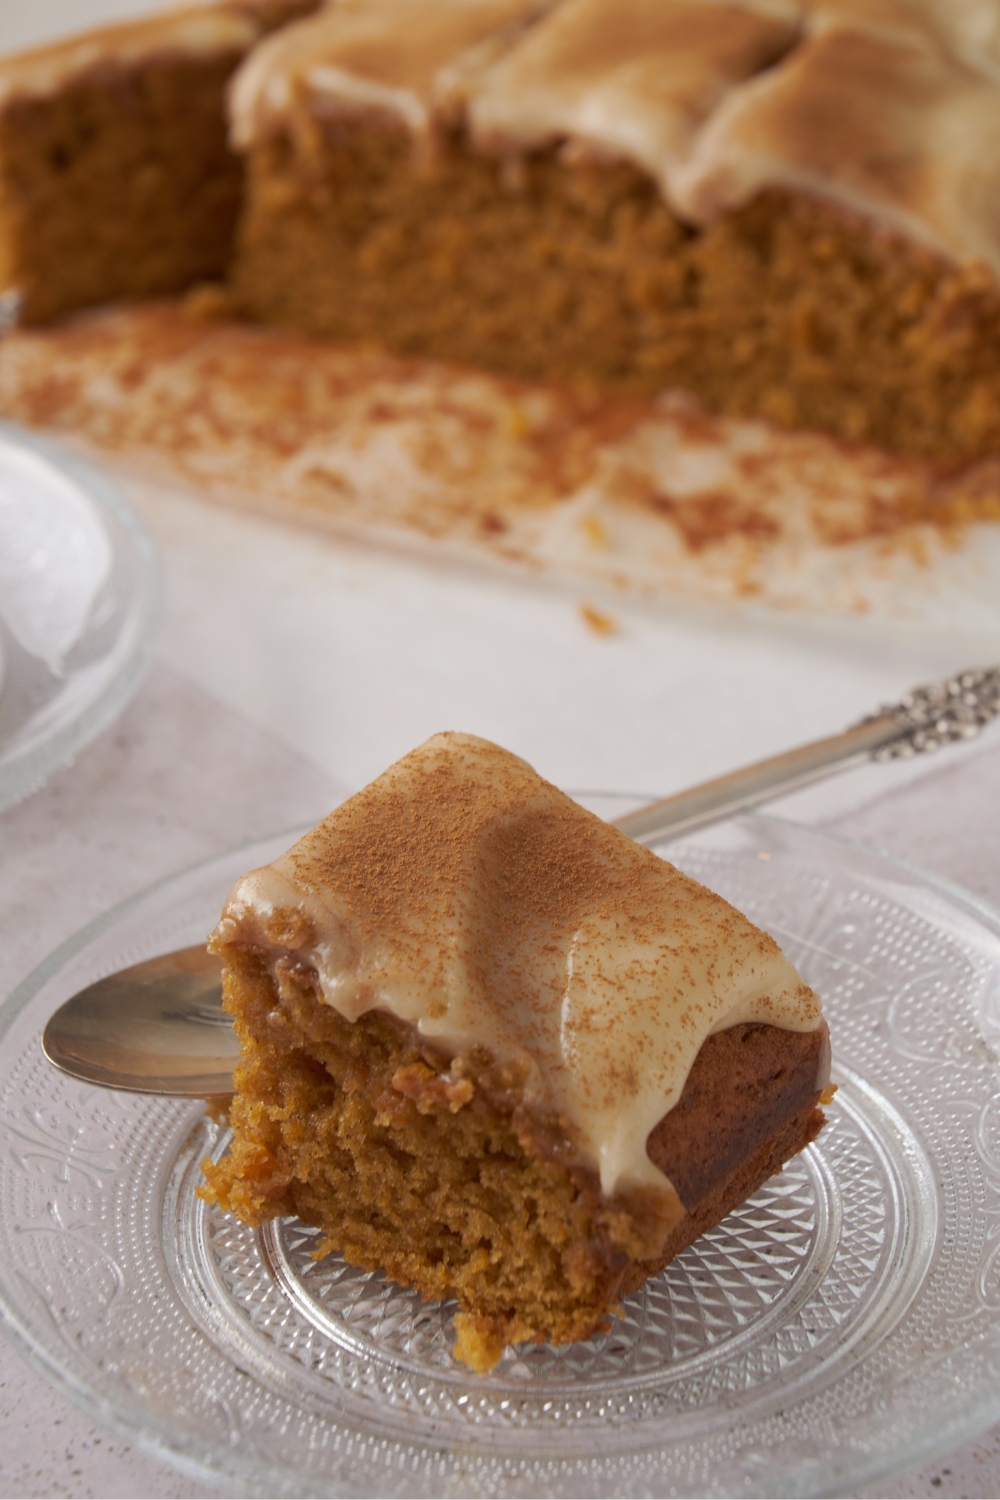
x: 924, y: 720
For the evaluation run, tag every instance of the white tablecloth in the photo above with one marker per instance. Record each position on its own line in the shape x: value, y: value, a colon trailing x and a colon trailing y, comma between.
x: 293, y: 669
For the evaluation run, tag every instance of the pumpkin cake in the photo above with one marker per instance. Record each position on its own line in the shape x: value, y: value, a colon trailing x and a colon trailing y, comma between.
x: 789, y: 209
x: 497, y: 1050
x: 116, y: 178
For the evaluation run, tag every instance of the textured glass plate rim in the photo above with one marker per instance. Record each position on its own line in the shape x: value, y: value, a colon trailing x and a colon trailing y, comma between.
x: 25, y: 773
x: 217, y: 1464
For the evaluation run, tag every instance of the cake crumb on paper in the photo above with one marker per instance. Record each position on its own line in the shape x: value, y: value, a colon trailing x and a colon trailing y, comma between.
x: 595, y: 531
x: 597, y: 621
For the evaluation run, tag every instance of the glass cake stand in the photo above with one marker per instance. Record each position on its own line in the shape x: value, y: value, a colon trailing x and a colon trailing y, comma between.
x: 79, y: 592
x: 842, y: 1324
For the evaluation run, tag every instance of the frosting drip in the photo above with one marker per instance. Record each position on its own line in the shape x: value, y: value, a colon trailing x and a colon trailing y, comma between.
x: 365, y: 55
x: 636, y: 79
x: 883, y: 107
x: 881, y: 122
x: 470, y: 898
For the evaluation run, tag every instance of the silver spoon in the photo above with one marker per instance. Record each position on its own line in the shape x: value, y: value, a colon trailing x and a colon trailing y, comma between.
x: 159, y: 1027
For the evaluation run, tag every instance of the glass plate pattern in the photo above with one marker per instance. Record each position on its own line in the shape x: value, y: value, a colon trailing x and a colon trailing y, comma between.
x: 843, y: 1322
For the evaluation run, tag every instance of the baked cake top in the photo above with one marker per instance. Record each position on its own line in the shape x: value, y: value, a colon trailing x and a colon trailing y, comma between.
x: 467, y: 896
x: 883, y: 107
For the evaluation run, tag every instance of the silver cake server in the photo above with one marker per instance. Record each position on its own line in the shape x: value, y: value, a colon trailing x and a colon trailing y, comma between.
x: 159, y: 1027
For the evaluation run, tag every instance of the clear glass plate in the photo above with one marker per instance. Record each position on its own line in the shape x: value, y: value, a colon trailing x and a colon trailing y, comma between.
x: 79, y: 592
x: 843, y: 1323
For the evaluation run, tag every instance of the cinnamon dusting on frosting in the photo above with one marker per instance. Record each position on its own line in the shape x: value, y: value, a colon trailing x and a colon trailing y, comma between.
x: 468, y: 897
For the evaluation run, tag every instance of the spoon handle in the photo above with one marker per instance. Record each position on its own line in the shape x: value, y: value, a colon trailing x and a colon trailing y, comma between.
x: 924, y: 720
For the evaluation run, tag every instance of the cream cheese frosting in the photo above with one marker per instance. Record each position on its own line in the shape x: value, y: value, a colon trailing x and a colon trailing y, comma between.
x: 636, y: 79
x: 883, y: 123
x: 368, y: 55
x: 882, y: 107
x: 470, y: 898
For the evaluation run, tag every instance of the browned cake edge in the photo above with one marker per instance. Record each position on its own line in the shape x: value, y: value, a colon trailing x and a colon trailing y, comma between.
x: 449, y: 1184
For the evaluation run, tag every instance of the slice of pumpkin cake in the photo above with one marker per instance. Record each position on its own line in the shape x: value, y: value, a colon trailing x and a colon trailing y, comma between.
x: 496, y: 1049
